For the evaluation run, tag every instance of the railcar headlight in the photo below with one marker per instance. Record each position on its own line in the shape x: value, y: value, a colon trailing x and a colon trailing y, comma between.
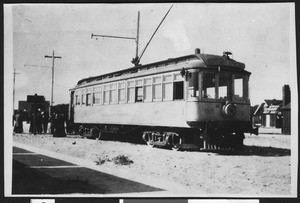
x: 229, y: 110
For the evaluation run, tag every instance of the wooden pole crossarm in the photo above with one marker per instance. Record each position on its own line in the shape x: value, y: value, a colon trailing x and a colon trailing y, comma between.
x: 111, y: 36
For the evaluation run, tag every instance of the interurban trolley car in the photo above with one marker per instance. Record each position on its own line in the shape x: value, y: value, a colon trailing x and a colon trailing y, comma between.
x: 198, y: 99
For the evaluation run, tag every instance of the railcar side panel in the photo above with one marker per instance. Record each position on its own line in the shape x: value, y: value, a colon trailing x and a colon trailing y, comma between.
x: 200, y: 111
x: 166, y: 113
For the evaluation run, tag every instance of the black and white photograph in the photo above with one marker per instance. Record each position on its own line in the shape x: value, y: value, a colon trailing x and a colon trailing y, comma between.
x: 150, y: 100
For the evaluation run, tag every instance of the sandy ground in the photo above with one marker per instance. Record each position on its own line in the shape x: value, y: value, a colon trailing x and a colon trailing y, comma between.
x: 264, y: 169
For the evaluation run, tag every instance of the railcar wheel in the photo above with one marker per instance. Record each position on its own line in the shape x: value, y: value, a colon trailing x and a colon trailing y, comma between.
x: 147, y: 136
x: 81, y: 131
x: 150, y: 144
x: 100, y: 136
x: 176, y: 142
x: 93, y: 133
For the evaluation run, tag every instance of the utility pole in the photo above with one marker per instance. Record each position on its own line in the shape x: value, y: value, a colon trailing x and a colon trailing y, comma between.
x: 14, y: 94
x: 137, y: 37
x: 135, y: 60
x: 30, y: 65
x: 53, y: 57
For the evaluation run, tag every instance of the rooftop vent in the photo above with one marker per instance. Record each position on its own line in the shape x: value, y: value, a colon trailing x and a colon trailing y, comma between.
x: 226, y: 54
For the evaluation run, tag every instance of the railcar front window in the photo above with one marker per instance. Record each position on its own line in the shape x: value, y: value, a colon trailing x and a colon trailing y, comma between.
x: 209, y: 86
x: 193, y: 85
x: 240, y: 87
x: 225, y: 84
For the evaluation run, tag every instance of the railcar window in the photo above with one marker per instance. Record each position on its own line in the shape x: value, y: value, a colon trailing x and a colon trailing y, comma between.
x: 193, y: 85
x: 130, y: 91
x: 97, y: 98
x: 157, y: 88
x: 113, y: 93
x: 113, y: 96
x: 106, y: 94
x: 106, y: 97
x: 83, y: 99
x: 224, y: 85
x: 139, y: 94
x: 167, y: 91
x: 83, y: 96
x: 131, y: 94
x: 178, y: 90
x: 147, y: 89
x: 147, y: 92
x: 97, y: 95
x: 157, y: 91
x: 121, y: 92
x: 209, y: 86
x: 77, y: 102
x: 89, y: 99
x: 238, y: 87
x: 122, y: 95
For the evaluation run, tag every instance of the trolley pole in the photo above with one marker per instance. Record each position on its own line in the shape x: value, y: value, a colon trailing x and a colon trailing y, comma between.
x: 53, y: 57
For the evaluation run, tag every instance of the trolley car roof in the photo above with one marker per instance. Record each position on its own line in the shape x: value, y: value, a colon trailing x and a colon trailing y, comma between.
x: 202, y: 60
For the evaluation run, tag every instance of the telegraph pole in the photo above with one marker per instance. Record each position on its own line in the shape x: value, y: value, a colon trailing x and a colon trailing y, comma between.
x: 14, y: 94
x: 53, y: 57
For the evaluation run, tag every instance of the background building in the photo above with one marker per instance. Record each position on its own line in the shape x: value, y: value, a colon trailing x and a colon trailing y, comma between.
x: 27, y: 107
x: 274, y: 113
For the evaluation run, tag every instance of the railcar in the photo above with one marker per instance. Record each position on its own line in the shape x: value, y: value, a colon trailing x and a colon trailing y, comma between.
x: 197, y: 100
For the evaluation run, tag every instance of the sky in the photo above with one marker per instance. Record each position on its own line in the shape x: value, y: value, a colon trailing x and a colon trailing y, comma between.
x: 260, y: 35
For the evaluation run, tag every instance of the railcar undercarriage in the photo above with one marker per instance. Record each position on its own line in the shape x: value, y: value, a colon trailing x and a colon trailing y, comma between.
x: 211, y: 137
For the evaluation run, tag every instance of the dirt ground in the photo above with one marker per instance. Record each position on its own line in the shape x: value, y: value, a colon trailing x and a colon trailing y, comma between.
x: 263, y: 169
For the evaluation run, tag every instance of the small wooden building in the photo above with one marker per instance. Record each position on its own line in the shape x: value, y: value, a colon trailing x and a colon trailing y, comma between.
x: 286, y: 124
x: 256, y: 113
x: 27, y: 107
x: 272, y: 116
x: 274, y: 113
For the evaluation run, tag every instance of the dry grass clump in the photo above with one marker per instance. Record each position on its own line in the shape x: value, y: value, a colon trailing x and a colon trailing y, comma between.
x: 119, y: 160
